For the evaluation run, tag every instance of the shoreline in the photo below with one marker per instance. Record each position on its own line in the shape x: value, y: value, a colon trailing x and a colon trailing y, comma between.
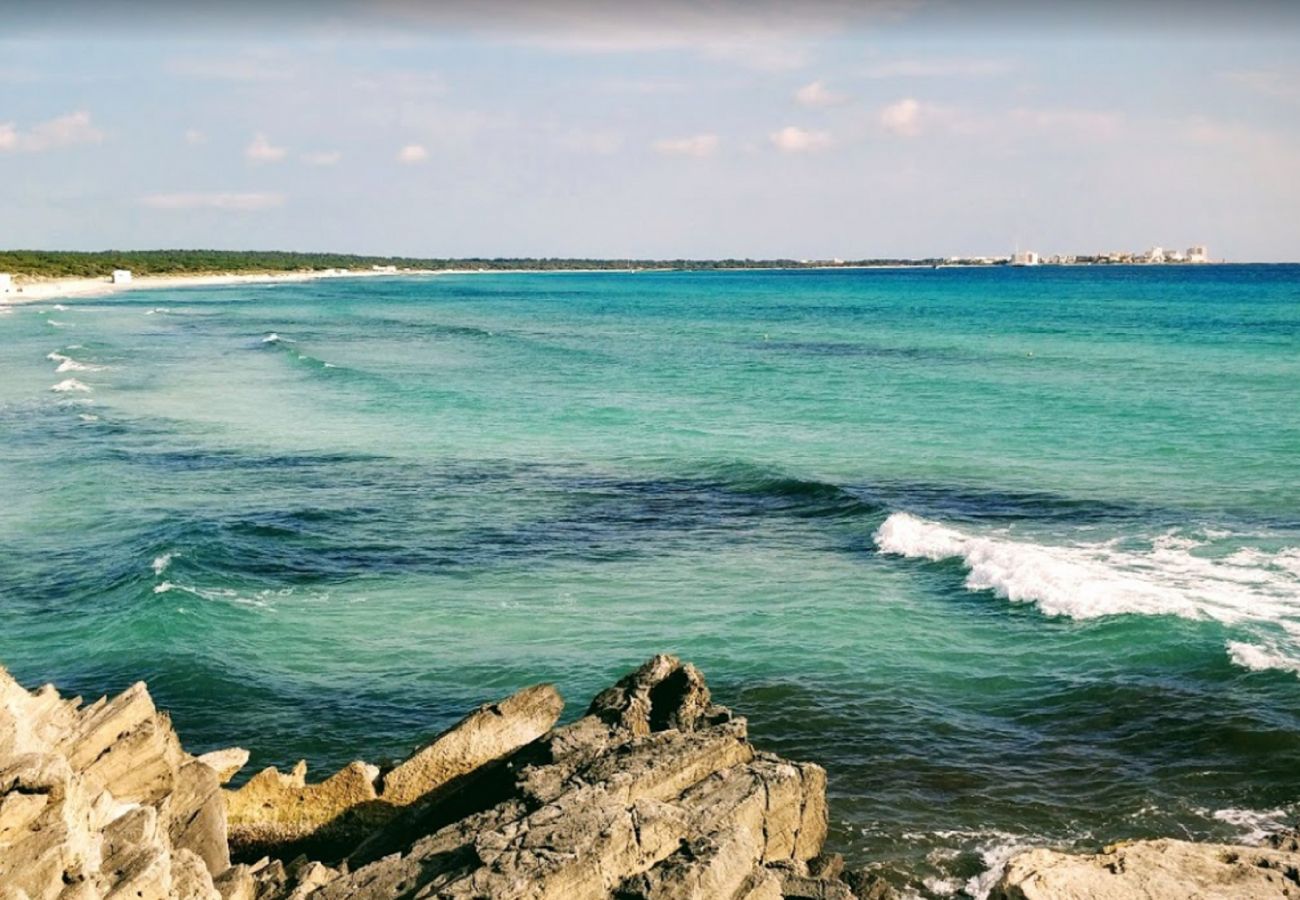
x: 40, y: 289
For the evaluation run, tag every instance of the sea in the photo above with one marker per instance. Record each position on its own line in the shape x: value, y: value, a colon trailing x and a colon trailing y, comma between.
x: 1013, y: 553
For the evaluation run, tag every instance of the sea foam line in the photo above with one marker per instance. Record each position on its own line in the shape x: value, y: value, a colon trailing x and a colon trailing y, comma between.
x: 1090, y: 580
x: 69, y: 384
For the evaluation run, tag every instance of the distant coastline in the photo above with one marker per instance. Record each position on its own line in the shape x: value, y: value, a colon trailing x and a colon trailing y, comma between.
x: 28, y: 276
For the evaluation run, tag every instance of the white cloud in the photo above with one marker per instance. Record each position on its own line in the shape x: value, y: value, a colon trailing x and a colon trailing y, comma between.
x: 798, y: 140
x: 260, y: 150
x: 64, y: 131
x: 322, y: 157
x: 224, y: 201
x: 902, y: 118
x: 939, y: 68
x: 817, y: 94
x: 412, y: 153
x: 194, y: 136
x: 699, y: 145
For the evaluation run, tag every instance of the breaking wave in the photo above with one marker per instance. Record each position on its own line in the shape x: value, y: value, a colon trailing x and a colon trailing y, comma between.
x: 68, y: 385
x: 1168, y: 577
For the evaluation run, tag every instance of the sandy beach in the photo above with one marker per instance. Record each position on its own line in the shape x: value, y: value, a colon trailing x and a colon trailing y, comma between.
x: 41, y: 289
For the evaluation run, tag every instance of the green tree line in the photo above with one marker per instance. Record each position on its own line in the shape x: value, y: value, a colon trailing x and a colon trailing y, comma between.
x: 79, y: 264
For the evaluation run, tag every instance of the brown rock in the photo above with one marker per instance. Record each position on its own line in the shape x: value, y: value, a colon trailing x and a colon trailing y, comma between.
x: 226, y: 763
x: 664, y: 693
x: 487, y: 734
x: 1155, y: 870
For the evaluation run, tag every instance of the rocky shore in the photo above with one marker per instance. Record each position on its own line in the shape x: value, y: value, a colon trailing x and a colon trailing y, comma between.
x: 655, y: 793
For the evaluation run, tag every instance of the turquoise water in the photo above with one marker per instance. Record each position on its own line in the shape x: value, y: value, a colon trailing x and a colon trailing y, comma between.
x: 1015, y: 554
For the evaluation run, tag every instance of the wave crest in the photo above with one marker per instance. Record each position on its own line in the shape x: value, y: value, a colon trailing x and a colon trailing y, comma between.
x: 1090, y: 580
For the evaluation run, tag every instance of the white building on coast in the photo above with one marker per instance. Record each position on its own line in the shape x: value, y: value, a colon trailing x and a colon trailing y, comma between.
x: 121, y: 276
x: 1024, y: 258
x: 1198, y: 254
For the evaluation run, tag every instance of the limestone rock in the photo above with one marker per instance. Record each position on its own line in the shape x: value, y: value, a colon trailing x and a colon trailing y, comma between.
x: 1155, y: 870
x: 663, y: 693
x: 226, y: 763
x: 101, y: 801
x: 655, y: 793
x: 488, y: 733
x: 281, y: 813
x: 274, y: 810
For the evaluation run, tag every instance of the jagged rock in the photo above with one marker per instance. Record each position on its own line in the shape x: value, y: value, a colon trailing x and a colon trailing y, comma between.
x: 276, y: 812
x: 1156, y: 870
x: 226, y: 763
x: 272, y: 810
x: 869, y: 885
x: 664, y: 693
x: 489, y: 733
x: 655, y: 793
x: 101, y: 801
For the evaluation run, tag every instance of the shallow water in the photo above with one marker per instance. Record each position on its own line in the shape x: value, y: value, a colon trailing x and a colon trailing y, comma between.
x: 1015, y: 554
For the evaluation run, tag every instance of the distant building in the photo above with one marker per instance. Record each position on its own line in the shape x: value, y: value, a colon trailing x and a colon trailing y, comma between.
x: 1024, y: 258
x: 6, y: 282
x: 1155, y: 255
x: 1198, y: 254
x: 121, y: 276
x: 383, y: 268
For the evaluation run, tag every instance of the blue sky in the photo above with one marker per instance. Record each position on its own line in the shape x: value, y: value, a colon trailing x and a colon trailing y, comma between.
x: 907, y: 128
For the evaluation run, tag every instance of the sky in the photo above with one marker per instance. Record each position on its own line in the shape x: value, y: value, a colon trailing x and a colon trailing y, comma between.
x: 680, y: 128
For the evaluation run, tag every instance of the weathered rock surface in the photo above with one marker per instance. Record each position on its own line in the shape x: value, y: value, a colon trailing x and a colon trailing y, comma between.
x: 101, y: 801
x: 1155, y: 870
x: 655, y: 793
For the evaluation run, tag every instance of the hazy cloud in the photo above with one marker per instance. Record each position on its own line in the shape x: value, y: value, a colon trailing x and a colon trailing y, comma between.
x: 817, y: 94
x: 322, y: 157
x: 699, y: 145
x: 194, y: 136
x: 1269, y: 82
x: 412, y: 153
x: 599, y: 143
x: 939, y: 68
x: 251, y: 67
x: 792, y: 139
x: 64, y: 131
x: 902, y: 118
x: 261, y: 150
x: 1075, y: 123
x: 224, y: 201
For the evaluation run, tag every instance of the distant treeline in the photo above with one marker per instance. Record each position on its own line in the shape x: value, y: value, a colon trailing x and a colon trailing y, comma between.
x: 74, y: 264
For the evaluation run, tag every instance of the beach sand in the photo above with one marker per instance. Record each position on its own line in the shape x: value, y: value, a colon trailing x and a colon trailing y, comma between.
x: 40, y: 289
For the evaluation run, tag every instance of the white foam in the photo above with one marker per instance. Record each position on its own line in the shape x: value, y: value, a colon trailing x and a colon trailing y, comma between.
x: 156, y: 310
x: 163, y: 588
x: 161, y: 562
x: 57, y: 324
x: 995, y: 856
x: 1088, y: 580
x: 69, y: 384
x: 71, y: 365
x: 59, y: 307
x: 1261, y: 659
x: 1251, y: 587
x: 1255, y: 824
x: 87, y: 417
